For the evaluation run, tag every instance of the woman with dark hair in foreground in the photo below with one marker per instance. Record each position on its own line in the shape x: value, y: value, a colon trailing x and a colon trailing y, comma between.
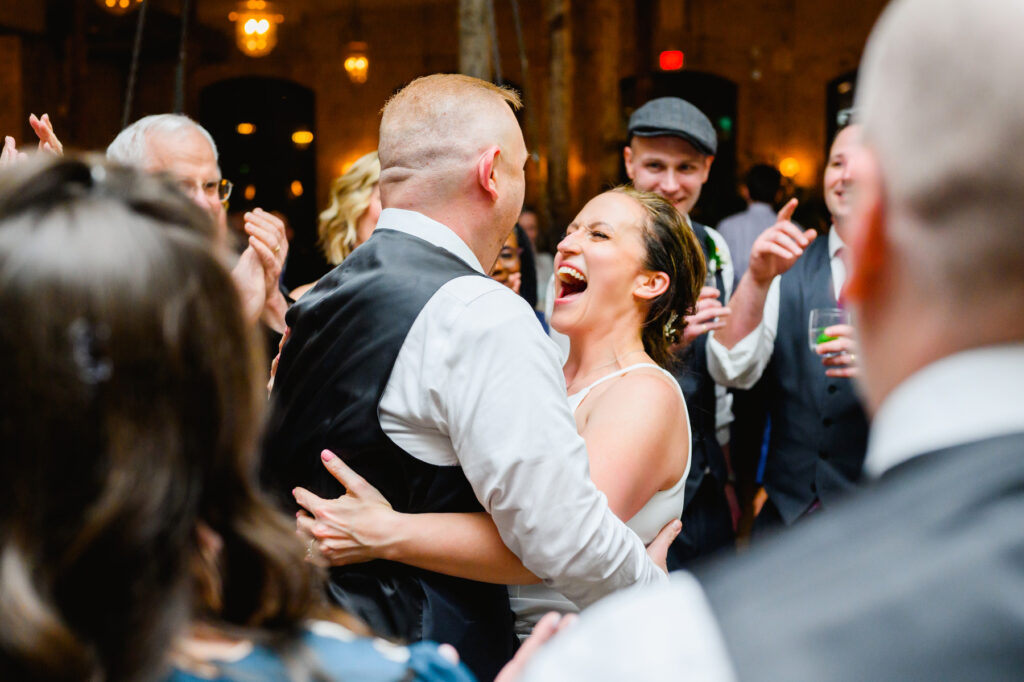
x: 131, y: 530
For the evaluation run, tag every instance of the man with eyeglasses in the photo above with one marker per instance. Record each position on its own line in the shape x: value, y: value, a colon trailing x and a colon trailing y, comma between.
x: 181, y: 148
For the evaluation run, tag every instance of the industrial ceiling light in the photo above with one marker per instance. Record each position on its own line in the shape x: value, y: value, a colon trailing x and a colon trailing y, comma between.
x: 255, y: 27
x: 357, y: 64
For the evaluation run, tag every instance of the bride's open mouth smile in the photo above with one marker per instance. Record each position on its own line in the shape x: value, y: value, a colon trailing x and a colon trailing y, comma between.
x: 571, y: 283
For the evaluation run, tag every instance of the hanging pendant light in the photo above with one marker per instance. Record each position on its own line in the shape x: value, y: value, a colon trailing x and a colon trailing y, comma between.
x: 357, y: 63
x: 255, y: 27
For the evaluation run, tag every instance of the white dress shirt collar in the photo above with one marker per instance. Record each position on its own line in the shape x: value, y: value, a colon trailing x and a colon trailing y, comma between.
x: 835, y: 242
x: 962, y: 398
x: 428, y: 229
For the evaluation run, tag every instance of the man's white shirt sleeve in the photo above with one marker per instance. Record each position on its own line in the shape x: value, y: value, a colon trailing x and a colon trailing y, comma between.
x: 743, y: 364
x: 478, y: 384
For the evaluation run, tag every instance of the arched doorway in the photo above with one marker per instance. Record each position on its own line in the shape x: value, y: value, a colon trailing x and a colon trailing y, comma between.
x: 716, y: 97
x: 254, y: 120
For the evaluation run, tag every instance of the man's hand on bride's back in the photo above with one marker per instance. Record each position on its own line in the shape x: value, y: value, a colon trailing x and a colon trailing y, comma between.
x: 351, y: 529
x: 658, y: 547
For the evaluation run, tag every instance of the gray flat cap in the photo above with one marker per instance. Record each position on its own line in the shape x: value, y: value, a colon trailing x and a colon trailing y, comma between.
x: 675, y: 117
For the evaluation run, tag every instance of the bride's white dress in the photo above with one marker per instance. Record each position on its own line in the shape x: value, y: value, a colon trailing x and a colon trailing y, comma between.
x: 531, y: 602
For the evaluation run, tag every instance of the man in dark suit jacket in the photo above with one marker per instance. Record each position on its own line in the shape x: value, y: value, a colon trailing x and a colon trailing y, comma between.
x: 920, y: 575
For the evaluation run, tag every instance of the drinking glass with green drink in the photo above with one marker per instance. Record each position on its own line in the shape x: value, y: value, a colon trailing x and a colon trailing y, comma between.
x: 820, y: 320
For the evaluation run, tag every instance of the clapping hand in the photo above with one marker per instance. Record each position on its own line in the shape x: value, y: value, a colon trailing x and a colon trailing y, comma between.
x: 259, y: 268
x: 10, y: 154
x: 48, y: 141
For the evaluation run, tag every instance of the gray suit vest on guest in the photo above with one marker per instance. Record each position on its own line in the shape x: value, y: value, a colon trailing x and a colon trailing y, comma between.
x: 819, y: 430
x: 346, y: 336
x: 917, y: 577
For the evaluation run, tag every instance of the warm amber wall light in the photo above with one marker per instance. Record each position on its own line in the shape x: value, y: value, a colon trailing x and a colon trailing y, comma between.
x: 250, y: 192
x: 118, y: 6
x: 245, y: 128
x: 302, y: 137
x: 296, y: 188
x: 789, y: 167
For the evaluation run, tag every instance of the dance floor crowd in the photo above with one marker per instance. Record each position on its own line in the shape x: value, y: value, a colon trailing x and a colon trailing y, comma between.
x: 478, y: 460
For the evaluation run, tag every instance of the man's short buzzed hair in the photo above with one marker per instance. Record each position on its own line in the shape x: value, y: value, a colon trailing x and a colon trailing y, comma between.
x: 424, y: 122
x: 131, y: 146
x: 940, y: 102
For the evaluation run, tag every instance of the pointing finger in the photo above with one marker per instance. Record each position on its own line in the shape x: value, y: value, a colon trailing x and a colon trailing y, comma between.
x: 786, y: 212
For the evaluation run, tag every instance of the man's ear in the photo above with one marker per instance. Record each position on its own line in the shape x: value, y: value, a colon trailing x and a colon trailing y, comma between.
x: 650, y: 285
x: 708, y: 160
x: 486, y: 171
x: 868, y: 239
x: 627, y: 157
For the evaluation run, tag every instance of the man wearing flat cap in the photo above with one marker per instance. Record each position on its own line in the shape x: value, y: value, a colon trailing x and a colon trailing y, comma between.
x: 671, y: 147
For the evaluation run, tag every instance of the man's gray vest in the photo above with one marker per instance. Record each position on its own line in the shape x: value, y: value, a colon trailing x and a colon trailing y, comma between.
x: 819, y: 430
x: 345, y: 338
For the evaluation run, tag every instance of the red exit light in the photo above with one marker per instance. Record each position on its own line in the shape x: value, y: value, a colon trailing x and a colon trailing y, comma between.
x: 670, y: 60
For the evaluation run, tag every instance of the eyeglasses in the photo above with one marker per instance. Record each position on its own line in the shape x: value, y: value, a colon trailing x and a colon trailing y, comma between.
x: 224, y: 188
x: 221, y: 188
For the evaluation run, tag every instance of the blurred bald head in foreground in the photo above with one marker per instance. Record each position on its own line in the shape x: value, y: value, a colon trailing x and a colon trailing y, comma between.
x: 921, y: 575
x: 940, y: 186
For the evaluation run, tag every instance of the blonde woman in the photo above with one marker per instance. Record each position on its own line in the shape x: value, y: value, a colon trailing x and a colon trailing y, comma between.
x: 352, y: 215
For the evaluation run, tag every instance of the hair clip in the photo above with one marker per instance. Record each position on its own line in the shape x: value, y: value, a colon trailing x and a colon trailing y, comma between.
x: 93, y: 366
x: 669, y: 330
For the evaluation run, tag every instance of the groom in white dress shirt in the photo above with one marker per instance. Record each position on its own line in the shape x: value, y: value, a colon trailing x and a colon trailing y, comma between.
x: 921, y: 575
x: 470, y: 401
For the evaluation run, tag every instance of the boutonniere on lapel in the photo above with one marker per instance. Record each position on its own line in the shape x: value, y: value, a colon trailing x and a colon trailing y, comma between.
x: 715, y: 258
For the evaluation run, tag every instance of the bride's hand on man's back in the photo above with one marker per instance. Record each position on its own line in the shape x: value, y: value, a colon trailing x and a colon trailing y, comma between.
x: 350, y: 529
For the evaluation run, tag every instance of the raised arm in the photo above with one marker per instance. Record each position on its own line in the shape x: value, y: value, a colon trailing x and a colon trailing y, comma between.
x: 774, y: 252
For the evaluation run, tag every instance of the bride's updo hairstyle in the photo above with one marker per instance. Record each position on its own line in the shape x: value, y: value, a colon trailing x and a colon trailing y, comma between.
x: 672, y: 248
x: 129, y: 417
